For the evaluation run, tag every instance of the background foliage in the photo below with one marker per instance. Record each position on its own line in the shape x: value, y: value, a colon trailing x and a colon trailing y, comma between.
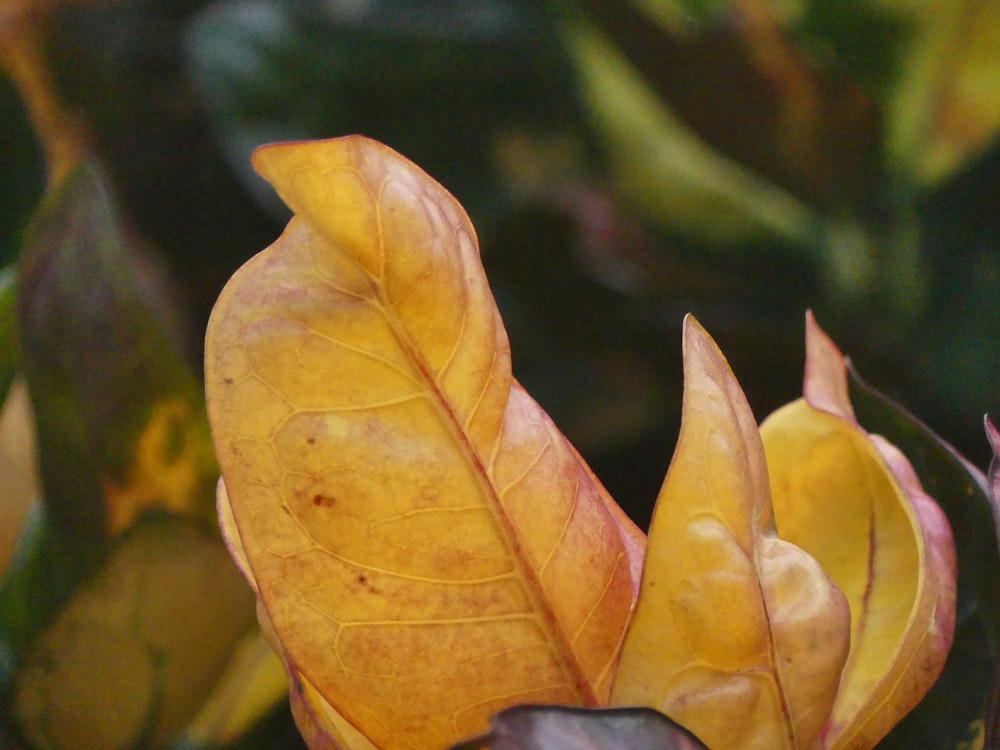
x: 624, y: 163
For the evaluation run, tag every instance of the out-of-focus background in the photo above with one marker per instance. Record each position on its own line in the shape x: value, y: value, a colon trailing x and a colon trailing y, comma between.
x: 624, y: 161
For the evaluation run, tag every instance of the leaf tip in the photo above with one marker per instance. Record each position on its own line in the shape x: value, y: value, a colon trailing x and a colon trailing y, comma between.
x: 825, y: 383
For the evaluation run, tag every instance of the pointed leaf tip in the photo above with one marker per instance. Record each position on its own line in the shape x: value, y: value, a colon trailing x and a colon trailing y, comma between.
x: 419, y: 531
x: 854, y: 503
x: 825, y: 382
x: 725, y: 636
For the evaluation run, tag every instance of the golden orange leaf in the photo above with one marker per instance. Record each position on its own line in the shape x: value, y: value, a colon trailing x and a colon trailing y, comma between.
x: 854, y: 503
x: 427, y: 545
x: 738, y: 635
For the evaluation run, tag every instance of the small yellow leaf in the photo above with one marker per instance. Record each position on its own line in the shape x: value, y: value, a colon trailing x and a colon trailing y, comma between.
x: 427, y: 545
x: 854, y: 503
x: 738, y: 635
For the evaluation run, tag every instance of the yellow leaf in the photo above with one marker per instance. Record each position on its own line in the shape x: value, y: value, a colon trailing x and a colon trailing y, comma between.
x: 853, y: 502
x: 319, y: 724
x: 738, y: 635
x: 171, y: 459
x: 428, y: 546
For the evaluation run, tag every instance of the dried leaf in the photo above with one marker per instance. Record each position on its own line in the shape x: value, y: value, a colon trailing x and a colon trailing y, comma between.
x: 739, y: 635
x: 318, y: 723
x: 854, y: 503
x: 561, y: 728
x: 427, y: 545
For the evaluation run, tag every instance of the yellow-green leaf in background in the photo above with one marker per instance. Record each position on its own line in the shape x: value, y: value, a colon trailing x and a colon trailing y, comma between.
x: 945, y: 110
x: 853, y: 502
x: 130, y: 659
x: 426, y: 544
x: 738, y: 635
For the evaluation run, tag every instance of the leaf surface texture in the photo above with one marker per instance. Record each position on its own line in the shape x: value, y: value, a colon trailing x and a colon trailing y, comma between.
x: 426, y: 544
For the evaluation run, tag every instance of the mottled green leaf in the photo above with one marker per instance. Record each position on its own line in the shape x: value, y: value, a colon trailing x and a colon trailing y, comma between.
x: 120, y: 418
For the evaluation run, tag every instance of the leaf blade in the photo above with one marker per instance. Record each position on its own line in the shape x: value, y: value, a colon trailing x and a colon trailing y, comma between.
x: 854, y: 503
x: 385, y: 488
x: 721, y: 637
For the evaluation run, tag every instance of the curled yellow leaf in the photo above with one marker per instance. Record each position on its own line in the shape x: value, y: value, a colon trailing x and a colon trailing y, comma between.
x: 738, y: 635
x: 427, y: 545
x: 854, y: 503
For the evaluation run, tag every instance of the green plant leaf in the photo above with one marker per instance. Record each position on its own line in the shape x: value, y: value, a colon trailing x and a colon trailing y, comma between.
x: 496, y: 64
x: 8, y: 330
x: 954, y: 708
x: 120, y: 418
x: 562, y: 728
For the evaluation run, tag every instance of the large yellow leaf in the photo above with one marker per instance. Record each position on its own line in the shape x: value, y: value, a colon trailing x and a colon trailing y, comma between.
x: 854, y: 503
x: 738, y: 635
x: 428, y: 547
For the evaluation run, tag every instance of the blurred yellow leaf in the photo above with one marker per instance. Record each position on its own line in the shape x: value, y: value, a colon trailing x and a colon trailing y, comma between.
x: 665, y: 169
x: 137, y: 650
x: 427, y: 545
x: 946, y: 109
x: 252, y: 684
x: 170, y: 459
x: 18, y: 469
x: 853, y: 502
x: 738, y: 635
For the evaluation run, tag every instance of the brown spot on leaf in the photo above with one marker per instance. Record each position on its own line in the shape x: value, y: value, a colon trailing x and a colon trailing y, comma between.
x: 323, y: 500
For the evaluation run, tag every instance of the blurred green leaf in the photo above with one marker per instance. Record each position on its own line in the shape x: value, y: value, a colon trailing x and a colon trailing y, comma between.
x: 8, y: 330
x: 562, y: 728
x: 138, y: 648
x: 42, y: 574
x: 945, y: 107
x: 441, y: 83
x: 867, y: 39
x: 120, y: 416
x: 22, y: 171
x: 739, y: 81
x: 952, y: 713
